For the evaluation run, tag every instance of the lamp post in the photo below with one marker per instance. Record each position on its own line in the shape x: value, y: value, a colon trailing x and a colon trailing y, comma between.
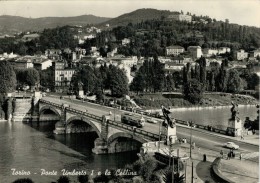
x: 191, y: 125
x: 192, y: 172
x: 114, y: 110
x: 159, y: 135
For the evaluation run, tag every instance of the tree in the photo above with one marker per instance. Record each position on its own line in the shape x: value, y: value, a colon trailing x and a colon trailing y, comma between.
x: 7, y: 77
x: 118, y: 81
x: 63, y: 179
x: 46, y: 78
x: 138, y: 83
x: 25, y: 180
x: 83, y: 178
x: 234, y: 82
x: 32, y: 77
x: 193, y: 91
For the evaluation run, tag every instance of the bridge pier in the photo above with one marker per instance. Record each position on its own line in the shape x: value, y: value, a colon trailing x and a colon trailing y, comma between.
x: 59, y: 128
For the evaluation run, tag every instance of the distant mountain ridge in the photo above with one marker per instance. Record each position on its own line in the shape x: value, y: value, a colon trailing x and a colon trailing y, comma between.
x: 13, y: 24
x: 138, y: 16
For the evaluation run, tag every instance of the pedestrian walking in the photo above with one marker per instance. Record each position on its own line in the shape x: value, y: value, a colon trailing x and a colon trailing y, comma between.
x: 198, y: 149
x: 228, y: 157
x: 240, y: 157
x: 242, y: 137
x: 193, y: 145
x: 221, y: 154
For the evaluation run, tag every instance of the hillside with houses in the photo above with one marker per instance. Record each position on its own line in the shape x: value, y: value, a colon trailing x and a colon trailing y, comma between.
x: 172, y: 51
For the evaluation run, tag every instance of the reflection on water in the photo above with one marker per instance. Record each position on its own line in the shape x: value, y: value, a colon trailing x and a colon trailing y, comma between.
x: 32, y: 148
x: 213, y: 116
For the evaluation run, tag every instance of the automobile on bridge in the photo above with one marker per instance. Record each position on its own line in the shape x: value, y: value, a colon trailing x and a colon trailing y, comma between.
x: 231, y: 145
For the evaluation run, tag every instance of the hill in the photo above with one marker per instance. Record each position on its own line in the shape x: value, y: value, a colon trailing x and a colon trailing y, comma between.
x: 138, y: 16
x: 14, y: 24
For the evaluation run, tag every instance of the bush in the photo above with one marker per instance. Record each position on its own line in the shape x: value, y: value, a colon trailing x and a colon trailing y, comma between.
x: 63, y: 179
x: 26, y: 180
x: 83, y: 178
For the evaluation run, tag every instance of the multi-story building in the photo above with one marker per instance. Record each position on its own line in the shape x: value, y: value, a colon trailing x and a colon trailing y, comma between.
x: 174, y: 50
x: 207, y: 52
x: 240, y: 54
x: 125, y: 41
x: 54, y: 54
x: 42, y: 64
x: 62, y: 76
x: 223, y: 50
x: 180, y: 17
x: 22, y: 63
x: 255, y: 53
x: 126, y: 61
x: 195, y: 51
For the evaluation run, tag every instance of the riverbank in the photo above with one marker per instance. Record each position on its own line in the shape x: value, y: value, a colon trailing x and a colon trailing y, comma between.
x: 175, y: 108
x: 213, y: 100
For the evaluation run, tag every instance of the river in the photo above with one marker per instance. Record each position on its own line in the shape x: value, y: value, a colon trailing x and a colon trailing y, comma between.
x: 28, y: 148
x: 217, y: 117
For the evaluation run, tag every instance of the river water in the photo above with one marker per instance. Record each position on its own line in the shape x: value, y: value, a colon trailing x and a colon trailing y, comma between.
x: 32, y: 148
x: 28, y: 148
x: 217, y: 117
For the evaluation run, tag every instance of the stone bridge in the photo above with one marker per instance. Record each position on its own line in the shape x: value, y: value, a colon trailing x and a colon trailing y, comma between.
x: 112, y: 136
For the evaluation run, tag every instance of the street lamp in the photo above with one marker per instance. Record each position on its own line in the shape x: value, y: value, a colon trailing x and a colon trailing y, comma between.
x: 159, y: 135
x: 114, y: 109
x: 191, y: 125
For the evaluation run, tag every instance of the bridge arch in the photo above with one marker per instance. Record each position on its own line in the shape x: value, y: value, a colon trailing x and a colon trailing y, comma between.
x: 125, y: 135
x: 96, y: 128
x: 44, y: 108
x: 123, y: 141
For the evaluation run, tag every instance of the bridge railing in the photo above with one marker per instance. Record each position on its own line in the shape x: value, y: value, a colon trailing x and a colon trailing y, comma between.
x: 75, y: 111
x: 51, y: 103
x: 145, y: 134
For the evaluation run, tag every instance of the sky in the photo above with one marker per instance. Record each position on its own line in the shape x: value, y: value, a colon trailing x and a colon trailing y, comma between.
x: 244, y: 12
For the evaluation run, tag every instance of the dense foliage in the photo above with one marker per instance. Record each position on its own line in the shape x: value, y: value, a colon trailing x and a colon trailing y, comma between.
x: 29, y: 77
x: 96, y: 80
x: 7, y: 77
x: 46, y: 78
x: 150, y: 77
x: 152, y: 36
x: 57, y: 38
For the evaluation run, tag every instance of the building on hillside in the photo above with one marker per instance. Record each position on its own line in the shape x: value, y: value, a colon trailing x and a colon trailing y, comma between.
x: 195, y: 51
x: 125, y: 41
x: 223, y: 50
x: 174, y: 50
x: 7, y: 56
x: 42, y: 64
x: 173, y: 66
x: 207, y: 52
x: 126, y: 61
x: 180, y: 17
x: 112, y: 53
x: 213, y: 61
x: 255, y: 53
x: 62, y: 76
x: 54, y: 54
x: 162, y: 59
x: 240, y: 54
x: 25, y: 62
x: 29, y: 37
